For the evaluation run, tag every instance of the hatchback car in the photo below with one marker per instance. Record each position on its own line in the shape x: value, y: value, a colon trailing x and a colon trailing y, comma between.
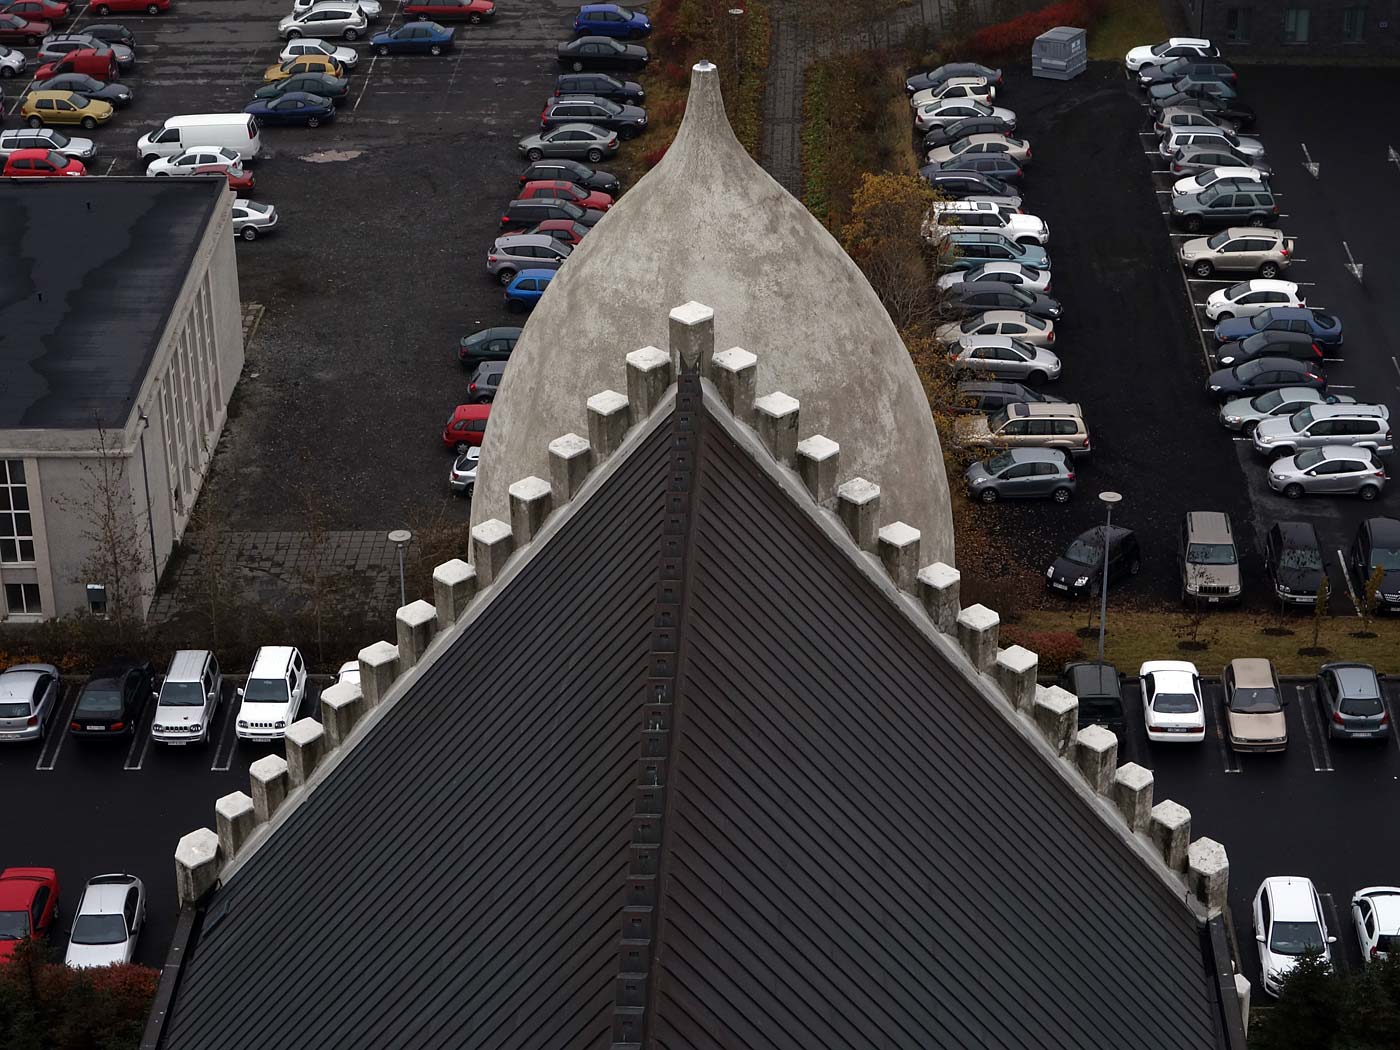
x: 1172, y: 709
x: 1355, y: 425
x: 960, y: 185
x: 566, y: 230
x: 563, y: 190
x: 28, y: 906
x: 998, y: 165
x: 461, y: 478
x: 561, y: 169
x: 481, y: 389
x: 1288, y: 923
x: 1334, y: 470
x: 41, y: 163
x: 1186, y: 65
x: 16, y: 29
x: 601, y: 53
x: 517, y: 251
x: 576, y: 141
x: 1352, y: 701
x: 990, y: 395
x: 1246, y: 413
x: 520, y: 215
x: 1225, y: 204
x: 977, y: 296
x: 345, y: 57
x: 1298, y: 346
x: 1375, y: 911
x: 113, y: 700
x: 28, y: 701
x: 1251, y: 297
x: 526, y: 289
x: 329, y: 18
x: 976, y: 89
x: 1293, y: 560
x: 1254, y: 706
x: 39, y: 10
x: 611, y: 20
x: 1022, y: 473
x: 55, y: 47
x: 271, y: 698
x: 466, y: 427
x: 1177, y: 139
x: 627, y: 121
x: 1261, y: 251
x: 337, y: 89
x: 12, y: 62
x: 473, y: 11
x: 1099, y: 688
x: 107, y: 923
x: 1231, y: 112
x: 1003, y: 357
x: 1324, y: 329
x: 1176, y: 117
x: 1207, y: 560
x: 1148, y: 55
x: 1018, y: 324
x: 489, y: 344
x: 1376, y: 549
x: 1198, y: 85
x: 1018, y: 275
x: 291, y: 67
x: 415, y: 38
x: 64, y: 107
x: 921, y: 81
x: 1079, y: 570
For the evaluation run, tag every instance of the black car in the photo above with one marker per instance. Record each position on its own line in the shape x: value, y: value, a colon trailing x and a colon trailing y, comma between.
x: 601, y: 52
x: 976, y: 296
x: 1234, y: 112
x: 1099, y: 687
x: 994, y: 165
x: 564, y: 170
x: 627, y: 121
x: 1376, y: 549
x: 337, y: 89
x: 520, y: 215
x: 1180, y: 67
x: 490, y: 344
x: 1297, y: 346
x: 1293, y: 559
x: 1225, y: 203
x: 628, y: 92
x: 961, y: 129
x: 90, y: 87
x: 481, y: 388
x: 990, y: 396
x: 113, y: 698
x: 956, y: 185
x: 111, y: 33
x: 922, y: 81
x: 1076, y: 572
x: 1264, y: 374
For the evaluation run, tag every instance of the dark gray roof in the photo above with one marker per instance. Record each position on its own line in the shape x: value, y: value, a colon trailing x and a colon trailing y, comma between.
x: 108, y: 257
x: 857, y: 848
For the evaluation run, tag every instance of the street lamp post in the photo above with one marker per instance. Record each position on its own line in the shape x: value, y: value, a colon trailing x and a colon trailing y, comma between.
x: 736, y: 12
x: 146, y: 480
x: 399, y: 538
x: 1108, y: 499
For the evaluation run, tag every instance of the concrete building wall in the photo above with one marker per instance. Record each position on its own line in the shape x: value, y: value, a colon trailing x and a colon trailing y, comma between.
x: 163, y: 450
x: 1298, y: 29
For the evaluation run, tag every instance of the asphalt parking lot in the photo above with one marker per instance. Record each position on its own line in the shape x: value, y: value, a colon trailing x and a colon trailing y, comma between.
x: 87, y: 807
x: 377, y: 267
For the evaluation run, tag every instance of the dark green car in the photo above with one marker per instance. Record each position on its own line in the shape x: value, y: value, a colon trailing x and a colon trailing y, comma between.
x: 334, y: 88
x: 1227, y: 203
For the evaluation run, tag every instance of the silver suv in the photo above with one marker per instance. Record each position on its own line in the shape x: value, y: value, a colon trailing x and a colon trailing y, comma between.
x: 1207, y: 559
x: 325, y: 20
x: 525, y: 251
x: 1361, y: 426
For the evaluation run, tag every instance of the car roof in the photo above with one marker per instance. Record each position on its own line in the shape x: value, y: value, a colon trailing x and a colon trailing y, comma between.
x: 1091, y: 678
x: 1268, y: 284
x: 187, y: 665
x: 1041, y: 408
x: 1209, y: 526
x: 1252, y: 672
x: 271, y: 661
x: 1292, y: 898
x: 1168, y: 667
x: 1324, y: 410
x: 1355, y: 680
x: 1178, y: 41
x: 1342, y: 452
x: 18, y: 682
x: 1383, y: 530
x: 1037, y: 455
x: 18, y: 886
x: 488, y: 367
x: 1254, y: 231
x: 548, y: 275
x: 471, y: 411
x: 515, y: 240
x: 1386, y: 900
x: 1297, y: 533
x: 582, y: 126
x: 103, y: 895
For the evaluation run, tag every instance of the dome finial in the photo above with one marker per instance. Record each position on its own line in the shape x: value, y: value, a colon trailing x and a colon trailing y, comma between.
x: 705, y: 123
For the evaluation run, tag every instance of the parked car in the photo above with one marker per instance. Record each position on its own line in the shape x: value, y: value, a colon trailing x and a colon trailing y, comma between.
x: 414, y: 38
x: 1199, y: 85
x: 1330, y: 470
x: 1239, y: 248
x: 962, y: 184
x: 946, y: 134
x: 519, y: 215
x: 566, y: 230
x: 329, y: 18
x: 461, y: 478
x: 978, y: 89
x: 1022, y: 473
x: 272, y: 696
x: 15, y: 29
x: 627, y: 121
x: 1264, y: 374
x: 40, y: 163
x: 975, y: 246
x: 113, y: 699
x: 977, y: 296
x: 1099, y: 688
x: 1353, y: 703
x: 561, y: 190
x: 990, y: 395
x: 572, y: 171
x: 1252, y: 297
x: 986, y: 215
x: 323, y: 85
x: 189, y: 698
x: 1175, y: 140
x: 1012, y: 273
x: 514, y: 252
x: 1293, y: 560
x: 1015, y: 323
x: 578, y: 141
x: 291, y: 67
x: 97, y: 62
x: 1376, y: 549
x: 1231, y: 112
x: 1225, y: 204
x: 345, y: 57
x: 1224, y: 177
x: 295, y: 107
x: 28, y: 906
x: 1296, y: 345
x: 526, y: 289
x: 1057, y: 425
x: 473, y: 11
x: 611, y: 20
x: 1323, y: 328
x: 922, y: 81
x: 90, y: 87
x: 489, y: 344
x: 37, y: 10
x: 1172, y: 709
x: 186, y: 161
x: 1018, y: 150
x: 1246, y: 413
x: 1199, y: 159
x: 1206, y: 558
x: 465, y: 427
x: 107, y: 923
x: 1375, y: 911
x: 1149, y: 55
x: 371, y: 9
x: 1288, y: 924
x: 1186, y: 65
x: 951, y: 110
x: 64, y: 107
x: 55, y: 46
x: 1079, y: 571
x: 997, y: 165
x: 1254, y: 706
x: 602, y: 53
x: 28, y: 701
x: 12, y: 62
x: 481, y: 390
x: 130, y: 7
x: 1353, y: 425
x: 600, y: 85
x: 1001, y: 357
x: 1180, y: 117
x: 348, y: 673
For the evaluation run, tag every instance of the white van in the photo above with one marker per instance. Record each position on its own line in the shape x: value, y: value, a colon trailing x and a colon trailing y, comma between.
x: 237, y: 131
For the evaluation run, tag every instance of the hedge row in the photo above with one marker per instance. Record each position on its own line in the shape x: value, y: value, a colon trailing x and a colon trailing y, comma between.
x: 1013, y: 39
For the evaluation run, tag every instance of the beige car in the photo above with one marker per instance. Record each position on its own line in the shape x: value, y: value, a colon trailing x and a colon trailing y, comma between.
x: 1027, y: 425
x: 1239, y: 249
x: 1254, y: 706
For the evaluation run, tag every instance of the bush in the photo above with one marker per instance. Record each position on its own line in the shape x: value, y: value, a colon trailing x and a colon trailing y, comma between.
x: 45, y: 1005
x: 1013, y: 39
x: 1055, y: 648
x: 652, y: 157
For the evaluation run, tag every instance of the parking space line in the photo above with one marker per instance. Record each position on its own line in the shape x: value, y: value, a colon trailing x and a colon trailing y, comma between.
x: 1396, y: 364
x: 1394, y: 729
x: 226, y: 741
x: 1334, y: 927
x: 140, y: 742
x: 1346, y: 576
x: 1228, y: 758
x: 1307, y: 727
x: 48, y: 759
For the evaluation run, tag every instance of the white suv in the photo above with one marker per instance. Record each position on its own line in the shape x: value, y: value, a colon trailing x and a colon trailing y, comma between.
x: 986, y: 215
x: 326, y: 19
x: 189, y: 698
x: 1288, y: 921
x: 272, y: 696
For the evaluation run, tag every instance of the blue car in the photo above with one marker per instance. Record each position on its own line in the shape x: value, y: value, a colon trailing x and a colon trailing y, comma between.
x: 295, y: 107
x: 416, y: 38
x: 1325, y: 329
x: 525, y: 289
x: 611, y: 20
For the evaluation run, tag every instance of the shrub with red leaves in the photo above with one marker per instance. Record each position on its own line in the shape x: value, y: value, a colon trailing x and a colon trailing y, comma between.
x: 1013, y: 39
x: 48, y: 1006
x: 1055, y: 648
x: 652, y: 157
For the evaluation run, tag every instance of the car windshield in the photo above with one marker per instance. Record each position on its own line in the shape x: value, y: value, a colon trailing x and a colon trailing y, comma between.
x: 1308, y: 458
x: 959, y: 147
x: 1238, y: 290
x: 1255, y: 701
x: 1211, y: 194
x: 997, y: 464
x: 1219, y: 239
x: 58, y: 139
x: 99, y: 929
x: 265, y: 691
x: 1295, y: 938
x: 1085, y: 551
x: 1267, y: 402
x: 14, y: 710
x: 1300, y: 558
x: 1386, y: 558
x: 14, y: 925
x: 1250, y: 369
x: 1158, y: 49
x: 182, y: 694
x: 1301, y: 419
x: 998, y: 420
x: 55, y: 159
x: 1211, y: 554
x: 103, y: 701
x: 1174, y: 703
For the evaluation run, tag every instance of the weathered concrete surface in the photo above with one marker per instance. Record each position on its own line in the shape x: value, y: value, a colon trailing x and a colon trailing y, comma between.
x: 708, y: 224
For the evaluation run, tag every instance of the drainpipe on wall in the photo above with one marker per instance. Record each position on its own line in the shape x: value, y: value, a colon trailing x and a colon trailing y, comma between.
x: 146, y: 478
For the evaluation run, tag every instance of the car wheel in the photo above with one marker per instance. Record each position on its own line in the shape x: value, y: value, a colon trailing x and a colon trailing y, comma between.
x: 1369, y: 492
x: 1224, y: 315
x: 293, y: 34
x: 1036, y: 377
x: 1269, y: 269
x: 628, y: 134
x: 469, y: 491
x: 102, y: 10
x: 1250, y: 427
x: 1293, y: 491
x: 422, y: 17
x: 474, y: 19
x: 1193, y: 223
x: 461, y: 448
x: 162, y: 174
x: 1062, y: 495
x: 352, y: 34
x: 32, y: 41
x: 249, y: 233
x: 313, y: 122
x: 505, y: 276
x: 89, y: 123
x: 152, y: 10
x: 533, y: 155
x: 436, y: 49
x: 1203, y: 268
x: 989, y: 495
x: 35, y: 122
x: 382, y: 51
x: 577, y: 66
x: 594, y: 156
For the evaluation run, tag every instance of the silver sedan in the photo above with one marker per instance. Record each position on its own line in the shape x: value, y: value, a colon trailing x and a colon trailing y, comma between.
x: 1333, y: 470
x: 251, y: 219
x: 1246, y: 413
x: 1018, y: 150
x: 576, y: 141
x: 1005, y: 358
x: 1028, y: 329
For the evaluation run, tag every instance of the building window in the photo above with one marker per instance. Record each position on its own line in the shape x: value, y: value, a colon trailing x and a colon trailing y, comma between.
x: 1295, y: 25
x: 16, y: 526
x: 97, y: 599
x: 22, y: 599
x: 1237, y: 24
x: 1354, y: 23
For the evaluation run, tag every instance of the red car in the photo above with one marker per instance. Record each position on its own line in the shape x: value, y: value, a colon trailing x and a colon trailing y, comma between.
x: 565, y: 191
x: 235, y: 182
x: 14, y: 29
x: 129, y: 7
x: 450, y: 10
x: 566, y: 230
x: 38, y: 10
x: 28, y: 905
x: 466, y: 427
x: 40, y: 163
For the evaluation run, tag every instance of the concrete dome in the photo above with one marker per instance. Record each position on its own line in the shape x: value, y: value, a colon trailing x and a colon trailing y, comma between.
x: 708, y: 224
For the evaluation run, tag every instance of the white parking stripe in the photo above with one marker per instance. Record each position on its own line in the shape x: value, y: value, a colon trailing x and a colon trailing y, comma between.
x: 1302, y: 700
x: 1317, y: 743
x: 46, y: 764
x: 1228, y: 758
x: 1338, y: 957
x: 1346, y: 576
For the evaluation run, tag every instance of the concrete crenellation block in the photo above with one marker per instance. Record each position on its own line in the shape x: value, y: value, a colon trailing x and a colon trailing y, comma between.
x: 777, y: 419
x: 342, y: 707
x: 609, y: 416
x: 898, y: 547
x: 198, y: 860
x: 1096, y: 755
x: 692, y: 337
x: 735, y: 374
x: 1169, y: 827
x: 270, y: 783
x: 1132, y: 794
x: 531, y: 500
x: 1056, y: 714
x: 570, y: 460
x: 306, y: 746
x: 1208, y: 872
x: 1015, y: 670
x: 978, y: 627
x: 818, y: 460
x: 234, y: 819
x: 492, y: 545
x: 416, y: 623
x: 858, y: 507
x: 1242, y: 994
x: 454, y: 586
x: 939, y: 586
x: 648, y: 379
x: 379, y: 666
